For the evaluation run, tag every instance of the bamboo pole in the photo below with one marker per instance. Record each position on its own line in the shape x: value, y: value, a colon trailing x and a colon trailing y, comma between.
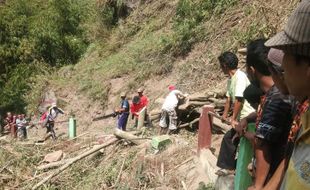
x: 75, y: 159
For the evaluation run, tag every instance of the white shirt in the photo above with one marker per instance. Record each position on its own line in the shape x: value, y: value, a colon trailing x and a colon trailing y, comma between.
x: 53, y: 113
x: 171, y: 100
x: 235, y: 88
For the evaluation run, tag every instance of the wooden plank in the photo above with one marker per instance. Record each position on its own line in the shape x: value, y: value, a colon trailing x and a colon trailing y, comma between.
x: 204, y: 131
x: 141, y: 118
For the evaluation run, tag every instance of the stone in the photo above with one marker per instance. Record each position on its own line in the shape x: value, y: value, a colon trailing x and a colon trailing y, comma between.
x: 53, y: 157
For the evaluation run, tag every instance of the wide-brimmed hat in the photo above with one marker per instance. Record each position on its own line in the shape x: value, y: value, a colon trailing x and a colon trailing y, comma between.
x: 295, y: 38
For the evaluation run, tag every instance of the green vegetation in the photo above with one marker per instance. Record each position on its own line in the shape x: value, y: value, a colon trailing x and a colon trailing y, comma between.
x: 109, y: 39
x: 36, y: 35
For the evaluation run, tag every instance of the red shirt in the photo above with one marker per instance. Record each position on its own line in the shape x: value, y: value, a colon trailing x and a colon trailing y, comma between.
x: 135, y: 108
x: 143, y: 101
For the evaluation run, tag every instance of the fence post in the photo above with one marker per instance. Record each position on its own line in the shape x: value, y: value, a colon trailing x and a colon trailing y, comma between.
x: 141, y: 118
x: 72, y: 127
x: 205, y: 126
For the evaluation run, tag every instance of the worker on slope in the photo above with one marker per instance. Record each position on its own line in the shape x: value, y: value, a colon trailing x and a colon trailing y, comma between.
x: 49, y: 121
x: 144, y: 101
x: 21, y: 124
x: 168, y: 110
x: 135, y: 108
x: 123, y: 113
x: 10, y: 122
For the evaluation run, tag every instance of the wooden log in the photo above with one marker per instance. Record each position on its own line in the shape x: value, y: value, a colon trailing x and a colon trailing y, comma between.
x: 75, y: 159
x: 222, y: 126
x: 130, y: 137
x: 189, y: 124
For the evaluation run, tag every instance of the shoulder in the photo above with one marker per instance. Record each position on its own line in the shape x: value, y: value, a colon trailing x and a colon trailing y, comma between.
x: 240, y: 74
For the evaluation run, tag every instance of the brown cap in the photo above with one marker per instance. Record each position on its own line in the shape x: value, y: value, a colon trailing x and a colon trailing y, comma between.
x: 123, y: 94
x: 295, y: 38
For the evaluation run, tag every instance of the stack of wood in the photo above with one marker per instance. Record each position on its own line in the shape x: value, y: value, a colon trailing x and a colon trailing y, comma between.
x: 189, y: 108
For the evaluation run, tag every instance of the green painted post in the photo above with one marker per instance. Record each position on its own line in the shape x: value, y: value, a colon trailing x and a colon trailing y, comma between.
x: 242, y: 178
x: 72, y: 127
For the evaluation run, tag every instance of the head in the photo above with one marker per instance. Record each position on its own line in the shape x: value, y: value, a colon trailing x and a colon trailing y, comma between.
x: 294, y: 40
x: 252, y: 94
x: 256, y: 61
x: 275, y: 58
x: 140, y: 91
x: 22, y: 116
x: 136, y: 100
x: 228, y: 62
x: 123, y: 95
x: 54, y: 105
x: 9, y: 114
x: 19, y: 116
x: 171, y: 87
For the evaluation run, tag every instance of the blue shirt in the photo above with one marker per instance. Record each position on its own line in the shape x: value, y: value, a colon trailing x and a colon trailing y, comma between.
x: 125, y: 105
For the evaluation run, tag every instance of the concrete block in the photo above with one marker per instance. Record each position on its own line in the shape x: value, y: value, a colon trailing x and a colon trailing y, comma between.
x: 160, y: 142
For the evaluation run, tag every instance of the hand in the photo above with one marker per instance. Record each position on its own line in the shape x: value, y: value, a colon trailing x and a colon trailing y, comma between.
x: 234, y: 123
x: 253, y: 188
x: 224, y: 118
x: 241, y: 126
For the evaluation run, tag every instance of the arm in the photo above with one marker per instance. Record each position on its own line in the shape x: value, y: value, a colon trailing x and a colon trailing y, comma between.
x: 262, y: 163
x: 180, y: 95
x: 236, y: 110
x: 276, y: 179
x: 243, y: 124
x: 226, y: 108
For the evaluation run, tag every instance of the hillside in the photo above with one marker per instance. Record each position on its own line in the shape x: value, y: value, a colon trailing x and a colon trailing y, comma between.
x: 132, y: 44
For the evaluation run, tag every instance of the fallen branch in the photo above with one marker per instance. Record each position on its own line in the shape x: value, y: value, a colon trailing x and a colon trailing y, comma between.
x: 75, y: 159
x: 53, y: 164
x: 120, y: 172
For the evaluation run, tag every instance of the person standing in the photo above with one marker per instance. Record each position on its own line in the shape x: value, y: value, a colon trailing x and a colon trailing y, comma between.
x: 144, y: 101
x: 237, y: 83
x: 123, y: 113
x: 135, y: 108
x: 273, y: 118
x: 10, y: 121
x: 21, y: 124
x: 294, y: 41
x: 168, y: 120
x: 51, y: 116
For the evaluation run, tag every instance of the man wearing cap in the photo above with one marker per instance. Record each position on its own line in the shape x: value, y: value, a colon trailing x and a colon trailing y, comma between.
x: 143, y: 99
x: 51, y: 116
x: 123, y: 113
x: 135, y: 108
x: 294, y: 40
x: 168, y: 111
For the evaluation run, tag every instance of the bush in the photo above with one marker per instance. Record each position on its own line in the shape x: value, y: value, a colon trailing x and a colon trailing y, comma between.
x: 33, y: 31
x: 190, y: 15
